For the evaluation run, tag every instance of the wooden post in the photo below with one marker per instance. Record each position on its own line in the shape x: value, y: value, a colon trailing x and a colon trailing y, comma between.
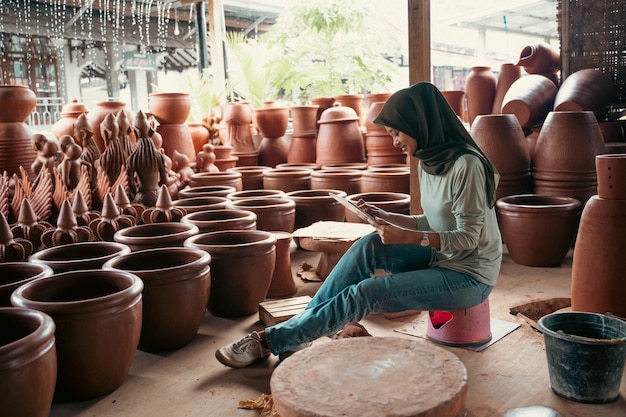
x: 216, y: 30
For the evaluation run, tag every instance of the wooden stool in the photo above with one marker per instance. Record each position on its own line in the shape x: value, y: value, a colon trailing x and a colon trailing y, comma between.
x: 370, y: 376
x: 460, y: 327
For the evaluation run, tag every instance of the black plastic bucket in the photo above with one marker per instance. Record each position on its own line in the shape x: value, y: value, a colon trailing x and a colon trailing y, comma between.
x: 586, y: 353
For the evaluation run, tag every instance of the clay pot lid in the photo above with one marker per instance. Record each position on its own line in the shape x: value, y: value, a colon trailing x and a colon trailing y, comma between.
x: 74, y: 107
x: 338, y: 113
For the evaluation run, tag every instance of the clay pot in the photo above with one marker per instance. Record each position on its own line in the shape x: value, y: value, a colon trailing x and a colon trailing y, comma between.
x: 598, y: 267
x: 16, y: 148
x: 565, y: 155
x: 388, y: 201
x: 271, y: 121
x: 538, y: 230
x: 282, y: 283
x: 155, y: 235
x: 97, y: 115
x: 539, y: 58
x: 205, y: 179
x: 17, y: 102
x: 273, y: 151
x: 262, y: 193
x: 347, y: 180
x: 194, y: 204
x: 377, y: 98
x: 199, y: 136
x: 300, y: 165
x: 176, y: 289
x: 501, y: 138
x: 222, y: 219
x: 28, y: 362
x: 170, y: 108
x: 529, y: 98
x: 273, y: 213
x: 251, y: 176
x: 287, y: 179
x: 586, y: 89
x: 14, y: 274
x: 98, y: 322
x: 612, y: 131
x: 238, y: 119
x: 206, y: 191
x: 346, y: 165
x: 177, y: 137
x: 78, y: 256
x: 509, y: 73
x: 456, y: 100
x: 302, y: 148
x: 69, y: 115
x: 242, y: 264
x: 304, y: 120
x: 385, y: 179
x: 226, y: 164
x: 323, y: 103
x: 378, y: 143
x: 354, y: 101
x: 317, y: 205
x: 480, y: 91
x: 339, y: 139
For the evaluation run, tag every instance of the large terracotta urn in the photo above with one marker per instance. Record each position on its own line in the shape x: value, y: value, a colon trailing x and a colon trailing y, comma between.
x: 155, y: 235
x: 78, y: 256
x: 539, y: 58
x: 237, y: 117
x: 339, y: 139
x: 69, y: 115
x: 273, y: 213
x: 16, y: 103
x: 502, y: 139
x: 177, y: 138
x: 175, y: 296
x: 509, y: 73
x: 538, y: 230
x: 565, y: 155
x: 15, y: 274
x: 170, y: 108
x: 530, y: 99
x: 317, y: 205
x: 599, y: 263
x: 97, y: 115
x: 28, y: 362
x: 456, y: 100
x: 480, y: 91
x: 222, y: 219
x: 242, y: 264
x: 98, y: 322
x: 586, y: 89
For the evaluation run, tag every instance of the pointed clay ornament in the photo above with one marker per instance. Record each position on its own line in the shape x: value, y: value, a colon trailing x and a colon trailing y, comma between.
x: 164, y: 210
x: 27, y: 226
x: 67, y: 230
x: 11, y: 248
x: 111, y: 220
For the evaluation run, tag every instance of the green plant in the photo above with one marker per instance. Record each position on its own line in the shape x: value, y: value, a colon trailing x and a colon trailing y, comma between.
x: 201, y: 93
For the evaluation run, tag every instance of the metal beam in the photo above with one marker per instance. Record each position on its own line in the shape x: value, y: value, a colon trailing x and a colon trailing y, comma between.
x: 82, y: 10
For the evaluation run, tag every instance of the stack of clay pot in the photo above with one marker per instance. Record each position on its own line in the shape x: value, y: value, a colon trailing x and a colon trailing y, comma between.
x: 303, y: 138
x: 171, y: 110
x: 16, y: 150
x: 271, y: 120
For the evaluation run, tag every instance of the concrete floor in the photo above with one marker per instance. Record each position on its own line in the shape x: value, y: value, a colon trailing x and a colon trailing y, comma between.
x: 509, y: 374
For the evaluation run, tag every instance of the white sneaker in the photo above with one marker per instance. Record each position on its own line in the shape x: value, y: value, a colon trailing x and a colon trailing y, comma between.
x: 243, y: 352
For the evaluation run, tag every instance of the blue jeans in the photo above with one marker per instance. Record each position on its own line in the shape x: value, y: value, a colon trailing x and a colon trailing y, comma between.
x: 351, y: 291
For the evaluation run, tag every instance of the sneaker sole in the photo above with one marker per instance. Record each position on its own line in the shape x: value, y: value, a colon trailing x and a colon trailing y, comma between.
x: 226, y: 361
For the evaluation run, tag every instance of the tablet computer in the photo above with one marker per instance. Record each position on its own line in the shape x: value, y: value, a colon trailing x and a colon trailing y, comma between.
x: 349, y: 205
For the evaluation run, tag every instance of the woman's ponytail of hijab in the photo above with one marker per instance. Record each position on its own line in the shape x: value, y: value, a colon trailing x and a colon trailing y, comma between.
x: 422, y: 113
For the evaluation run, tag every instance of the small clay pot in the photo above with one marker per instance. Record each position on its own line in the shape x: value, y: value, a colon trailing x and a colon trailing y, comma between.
x: 79, y: 256
x: 193, y: 204
x: 223, y: 219
x: 98, y: 322
x: 273, y: 213
x: 317, y: 205
x: 538, y: 230
x: 28, y: 362
x: 176, y: 282
x: 155, y: 235
x: 206, y: 191
x: 242, y: 264
x: 15, y: 274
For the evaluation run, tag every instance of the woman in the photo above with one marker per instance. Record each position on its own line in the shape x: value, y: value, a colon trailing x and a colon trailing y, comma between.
x: 445, y: 259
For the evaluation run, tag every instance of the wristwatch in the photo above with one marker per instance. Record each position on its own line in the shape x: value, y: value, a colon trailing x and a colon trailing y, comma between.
x: 425, y: 241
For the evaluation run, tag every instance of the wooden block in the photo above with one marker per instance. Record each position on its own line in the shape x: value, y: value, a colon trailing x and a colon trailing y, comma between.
x: 276, y: 311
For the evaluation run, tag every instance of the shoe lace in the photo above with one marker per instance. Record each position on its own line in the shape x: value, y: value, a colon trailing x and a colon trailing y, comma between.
x: 245, y: 344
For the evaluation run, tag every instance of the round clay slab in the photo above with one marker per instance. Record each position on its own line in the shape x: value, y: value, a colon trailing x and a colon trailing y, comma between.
x: 370, y: 376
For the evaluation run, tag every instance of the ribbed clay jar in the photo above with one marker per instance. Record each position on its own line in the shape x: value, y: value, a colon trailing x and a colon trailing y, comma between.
x: 76, y: 256
x: 251, y: 176
x: 242, y: 264
x: 28, y: 362
x: 388, y: 201
x: 15, y: 274
x: 155, y: 235
x: 223, y: 219
x: 538, y: 230
x: 348, y: 180
x: 598, y: 283
x: 98, y: 322
x: 317, y: 205
x: 205, y: 179
x: 176, y: 282
x: 273, y: 213
x: 287, y: 179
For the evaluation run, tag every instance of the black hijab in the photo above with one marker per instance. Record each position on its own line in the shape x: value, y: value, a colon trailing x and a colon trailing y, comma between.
x: 422, y: 113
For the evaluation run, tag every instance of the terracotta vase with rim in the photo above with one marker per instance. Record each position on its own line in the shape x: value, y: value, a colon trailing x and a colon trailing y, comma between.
x: 202, y: 203
x: 598, y: 267
x: 354, y: 101
x: 389, y: 201
x: 287, y: 179
x: 272, y: 123
x: 98, y: 322
x: 539, y: 58
x: 538, y: 230
x: 242, y: 264
x: 282, y: 283
x: 222, y: 219
x: 16, y: 103
x: 347, y: 180
x: 177, y: 137
x: 15, y: 274
x: 155, y: 235
x: 273, y: 213
x: 206, y: 190
x: 78, y: 256
x: 170, y: 108
x: 317, y: 205
x: 28, y: 362
x: 175, y: 296
x: 480, y: 91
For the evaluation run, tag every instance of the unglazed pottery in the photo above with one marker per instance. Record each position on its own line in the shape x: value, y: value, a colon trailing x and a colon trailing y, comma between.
x: 273, y: 213
x: 97, y: 115
x: 176, y: 282
x: 242, y: 264
x: 69, y: 115
x: 28, y: 362
x: 229, y: 178
x: 206, y: 190
x: 15, y: 274
x: 339, y: 138
x: 193, y: 204
x: 287, y: 179
x: 222, y: 219
x: 344, y: 179
x: 282, y: 283
x: 78, y: 256
x: 98, y: 322
x: 586, y: 89
x: 155, y: 235
x: 17, y: 102
x: 539, y: 58
x: 261, y: 193
x: 385, y: 180
x: 251, y: 176
x: 509, y: 73
x: 480, y: 91
x: 317, y: 205
x: 170, y: 108
x: 529, y: 98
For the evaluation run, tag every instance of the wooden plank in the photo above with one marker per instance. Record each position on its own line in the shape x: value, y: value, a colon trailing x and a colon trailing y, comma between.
x: 275, y: 311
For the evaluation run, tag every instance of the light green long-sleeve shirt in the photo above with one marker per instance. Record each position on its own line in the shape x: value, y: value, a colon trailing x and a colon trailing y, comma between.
x: 455, y: 206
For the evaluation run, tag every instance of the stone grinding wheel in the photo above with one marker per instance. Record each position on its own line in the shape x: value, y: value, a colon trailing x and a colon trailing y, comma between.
x: 370, y: 376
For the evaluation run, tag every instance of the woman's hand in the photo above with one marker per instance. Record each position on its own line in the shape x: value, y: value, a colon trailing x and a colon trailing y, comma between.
x: 391, y: 233
x: 400, y: 220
